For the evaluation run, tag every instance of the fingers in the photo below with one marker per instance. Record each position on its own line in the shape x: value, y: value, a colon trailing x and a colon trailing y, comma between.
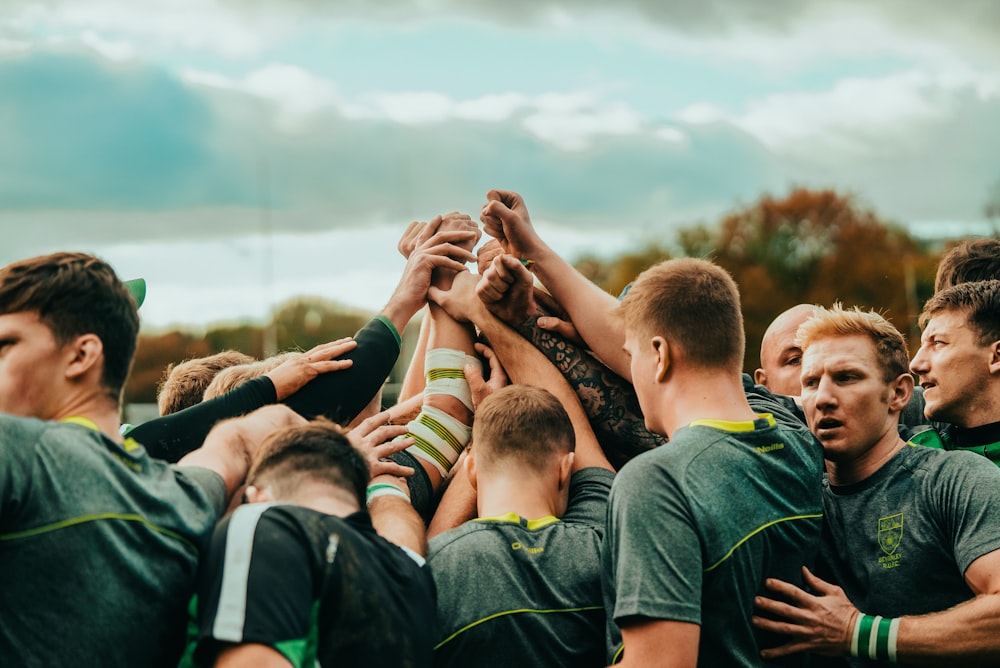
x: 785, y: 650
x: 559, y: 326
x: 325, y: 351
x: 818, y: 584
x: 390, y: 467
x: 477, y: 384
x: 368, y: 425
x: 407, y: 242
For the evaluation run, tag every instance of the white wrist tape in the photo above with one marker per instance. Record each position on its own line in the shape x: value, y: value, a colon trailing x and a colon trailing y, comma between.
x: 439, y: 437
x: 444, y: 373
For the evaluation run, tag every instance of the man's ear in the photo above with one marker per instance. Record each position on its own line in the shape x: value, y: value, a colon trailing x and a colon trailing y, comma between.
x: 995, y: 357
x: 760, y: 377
x: 85, y: 353
x: 566, y: 469
x: 258, y: 494
x: 663, y: 361
x: 900, y: 391
x: 470, y: 470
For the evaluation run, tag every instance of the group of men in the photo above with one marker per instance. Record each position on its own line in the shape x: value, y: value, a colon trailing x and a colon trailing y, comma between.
x: 812, y: 516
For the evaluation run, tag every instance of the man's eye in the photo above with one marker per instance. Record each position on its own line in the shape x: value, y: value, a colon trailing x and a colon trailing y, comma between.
x: 793, y: 361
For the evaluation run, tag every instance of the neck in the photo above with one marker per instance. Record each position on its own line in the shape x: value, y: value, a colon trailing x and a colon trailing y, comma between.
x: 866, y: 465
x: 983, y: 409
x: 528, y: 496
x: 702, y: 394
x: 99, y: 410
x: 324, y: 498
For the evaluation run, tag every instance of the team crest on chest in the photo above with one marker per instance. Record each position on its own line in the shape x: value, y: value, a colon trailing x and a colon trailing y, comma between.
x: 890, y: 534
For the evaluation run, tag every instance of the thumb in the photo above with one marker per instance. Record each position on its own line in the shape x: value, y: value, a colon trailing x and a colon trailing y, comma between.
x: 436, y: 294
x: 477, y: 385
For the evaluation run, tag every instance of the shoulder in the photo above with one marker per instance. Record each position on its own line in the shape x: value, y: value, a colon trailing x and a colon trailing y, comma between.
x: 469, y: 535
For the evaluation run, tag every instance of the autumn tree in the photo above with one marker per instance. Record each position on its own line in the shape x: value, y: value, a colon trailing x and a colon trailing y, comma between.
x: 815, y: 246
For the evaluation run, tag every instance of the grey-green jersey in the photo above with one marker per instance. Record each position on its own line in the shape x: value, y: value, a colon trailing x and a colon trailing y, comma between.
x: 99, y: 547
x: 696, y: 525
x: 513, y: 592
x: 899, y: 542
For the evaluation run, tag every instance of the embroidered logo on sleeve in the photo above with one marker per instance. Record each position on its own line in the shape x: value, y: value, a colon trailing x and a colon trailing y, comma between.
x: 890, y: 534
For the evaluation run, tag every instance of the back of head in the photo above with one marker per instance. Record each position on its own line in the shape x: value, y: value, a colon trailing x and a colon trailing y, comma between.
x: 695, y: 305
x: 521, y: 426
x: 317, y: 451
x: 890, y: 346
x: 979, y: 300
x: 184, y: 384
x: 972, y: 260
x: 75, y: 294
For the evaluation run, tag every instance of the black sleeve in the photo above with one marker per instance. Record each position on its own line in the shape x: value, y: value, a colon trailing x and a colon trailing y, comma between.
x: 341, y: 395
x: 172, y: 436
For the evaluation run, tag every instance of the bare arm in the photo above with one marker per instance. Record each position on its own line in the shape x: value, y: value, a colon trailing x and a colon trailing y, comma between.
x: 395, y: 519
x: 654, y: 642
x: 524, y: 364
x: 505, y: 217
x: 230, y: 446
x: 966, y: 635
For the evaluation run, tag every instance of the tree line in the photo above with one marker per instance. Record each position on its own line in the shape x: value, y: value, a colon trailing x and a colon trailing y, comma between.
x: 808, y: 246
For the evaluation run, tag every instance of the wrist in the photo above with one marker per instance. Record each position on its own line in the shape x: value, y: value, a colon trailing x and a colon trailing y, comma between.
x: 874, y: 637
x: 384, y: 489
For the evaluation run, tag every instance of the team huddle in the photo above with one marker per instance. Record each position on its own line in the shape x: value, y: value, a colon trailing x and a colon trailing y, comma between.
x: 568, y: 478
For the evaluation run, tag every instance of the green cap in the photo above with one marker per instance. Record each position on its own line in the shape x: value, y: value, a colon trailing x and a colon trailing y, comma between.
x: 137, y: 287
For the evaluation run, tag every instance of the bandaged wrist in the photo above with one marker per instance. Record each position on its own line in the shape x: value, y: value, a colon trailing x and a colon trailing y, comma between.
x: 444, y: 373
x: 874, y: 638
x: 383, y: 489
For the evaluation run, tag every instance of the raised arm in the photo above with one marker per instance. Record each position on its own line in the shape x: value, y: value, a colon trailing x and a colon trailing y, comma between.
x: 505, y: 217
x: 523, y: 363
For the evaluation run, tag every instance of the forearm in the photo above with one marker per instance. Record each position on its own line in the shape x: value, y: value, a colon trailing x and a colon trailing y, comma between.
x: 965, y: 635
x: 524, y: 363
x: 588, y: 306
x: 608, y: 399
x: 341, y: 395
x: 395, y: 520
x: 172, y: 436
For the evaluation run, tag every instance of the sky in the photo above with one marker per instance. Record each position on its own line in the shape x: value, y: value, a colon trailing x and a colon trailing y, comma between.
x: 235, y: 153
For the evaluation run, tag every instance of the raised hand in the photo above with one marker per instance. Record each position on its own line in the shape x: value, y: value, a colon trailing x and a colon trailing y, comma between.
x: 507, y: 289
x: 505, y: 218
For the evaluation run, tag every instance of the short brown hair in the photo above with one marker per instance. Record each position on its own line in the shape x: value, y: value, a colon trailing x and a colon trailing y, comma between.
x: 969, y: 261
x: 75, y: 294
x: 184, y: 384
x: 694, y: 304
x: 890, y: 346
x: 521, y: 424
x: 980, y: 300
x: 318, y: 450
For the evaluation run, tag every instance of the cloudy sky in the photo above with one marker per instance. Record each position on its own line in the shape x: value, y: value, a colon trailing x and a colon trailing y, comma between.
x: 237, y: 152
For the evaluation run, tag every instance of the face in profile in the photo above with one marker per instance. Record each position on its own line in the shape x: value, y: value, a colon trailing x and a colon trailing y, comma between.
x: 780, y: 357
x: 32, y: 366
x: 954, y: 370
x: 845, y: 397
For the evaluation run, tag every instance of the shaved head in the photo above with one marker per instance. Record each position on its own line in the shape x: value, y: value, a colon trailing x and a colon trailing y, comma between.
x: 780, y: 357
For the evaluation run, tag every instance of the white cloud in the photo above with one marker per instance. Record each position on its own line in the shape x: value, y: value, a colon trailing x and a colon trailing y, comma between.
x: 294, y: 92
x: 671, y: 135
x: 700, y: 113
x: 118, y: 51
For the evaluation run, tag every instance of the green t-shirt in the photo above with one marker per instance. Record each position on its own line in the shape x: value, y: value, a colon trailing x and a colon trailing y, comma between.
x: 696, y: 525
